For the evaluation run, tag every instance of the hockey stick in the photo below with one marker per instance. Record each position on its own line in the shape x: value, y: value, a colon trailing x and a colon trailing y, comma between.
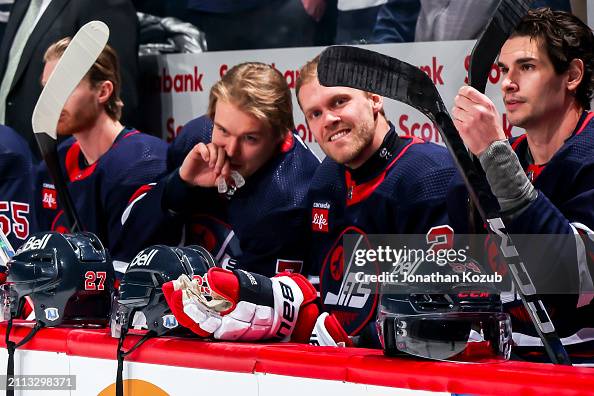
x: 370, y: 71
x: 505, y: 18
x: 74, y: 64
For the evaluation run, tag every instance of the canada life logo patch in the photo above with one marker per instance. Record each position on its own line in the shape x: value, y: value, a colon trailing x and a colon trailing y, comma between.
x: 48, y: 196
x: 320, y: 217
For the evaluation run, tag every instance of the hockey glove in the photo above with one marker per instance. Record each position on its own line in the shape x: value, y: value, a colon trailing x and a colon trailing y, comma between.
x: 245, y: 306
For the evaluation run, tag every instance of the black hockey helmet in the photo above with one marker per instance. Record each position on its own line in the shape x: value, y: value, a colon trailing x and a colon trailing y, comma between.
x: 141, y: 302
x: 68, y: 277
x: 464, y: 325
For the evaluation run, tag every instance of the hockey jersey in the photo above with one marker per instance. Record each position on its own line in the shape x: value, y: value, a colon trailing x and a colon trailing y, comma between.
x: 17, y: 212
x: 101, y: 191
x: 401, y: 189
x: 260, y: 228
x: 565, y: 205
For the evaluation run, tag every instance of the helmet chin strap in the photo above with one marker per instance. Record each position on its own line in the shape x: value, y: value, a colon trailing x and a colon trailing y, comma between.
x: 11, y: 346
x: 121, y: 355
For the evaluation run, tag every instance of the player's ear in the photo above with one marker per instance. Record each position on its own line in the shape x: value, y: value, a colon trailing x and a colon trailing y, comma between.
x: 575, y: 73
x: 377, y: 102
x: 105, y: 91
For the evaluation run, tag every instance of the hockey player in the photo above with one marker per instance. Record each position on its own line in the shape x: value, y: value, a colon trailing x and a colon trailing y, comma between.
x: 104, y: 163
x: 544, y: 179
x: 17, y: 212
x: 247, y: 138
x: 372, y: 182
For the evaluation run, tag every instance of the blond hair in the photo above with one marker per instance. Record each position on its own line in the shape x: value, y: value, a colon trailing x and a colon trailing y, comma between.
x: 259, y: 90
x: 105, y: 68
x: 309, y: 72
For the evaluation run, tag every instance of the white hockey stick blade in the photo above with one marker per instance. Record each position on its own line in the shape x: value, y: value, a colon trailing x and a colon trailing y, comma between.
x: 78, y: 58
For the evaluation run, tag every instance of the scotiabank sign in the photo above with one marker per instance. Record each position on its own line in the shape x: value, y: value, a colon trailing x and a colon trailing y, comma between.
x: 177, y: 86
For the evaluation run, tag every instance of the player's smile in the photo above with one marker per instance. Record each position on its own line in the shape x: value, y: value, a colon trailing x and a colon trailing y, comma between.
x: 339, y: 135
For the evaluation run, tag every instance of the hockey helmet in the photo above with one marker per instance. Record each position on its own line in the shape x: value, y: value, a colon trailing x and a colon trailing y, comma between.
x: 141, y: 302
x: 465, y: 325
x: 68, y: 277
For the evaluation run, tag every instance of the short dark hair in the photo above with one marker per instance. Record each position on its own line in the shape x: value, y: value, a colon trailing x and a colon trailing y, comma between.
x: 565, y: 38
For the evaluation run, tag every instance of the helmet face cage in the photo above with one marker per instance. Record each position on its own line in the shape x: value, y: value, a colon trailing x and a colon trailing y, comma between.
x: 463, y: 326
x: 68, y: 277
x: 141, y: 302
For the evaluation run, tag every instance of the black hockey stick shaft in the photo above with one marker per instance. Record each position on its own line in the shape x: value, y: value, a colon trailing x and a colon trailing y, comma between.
x: 49, y: 152
x: 370, y: 71
x: 505, y: 18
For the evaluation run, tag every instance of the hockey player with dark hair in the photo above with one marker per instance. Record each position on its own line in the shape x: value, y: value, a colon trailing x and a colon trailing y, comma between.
x: 17, y: 212
x: 105, y: 164
x: 373, y: 181
x: 240, y: 176
x: 544, y: 179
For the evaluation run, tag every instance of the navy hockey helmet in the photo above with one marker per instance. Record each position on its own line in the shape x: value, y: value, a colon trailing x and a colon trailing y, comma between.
x: 141, y: 302
x: 68, y: 277
x: 465, y: 325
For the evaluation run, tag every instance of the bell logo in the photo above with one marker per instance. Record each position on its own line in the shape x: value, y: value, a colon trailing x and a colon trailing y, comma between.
x: 169, y: 322
x: 35, y: 243
x: 51, y: 314
x: 143, y: 259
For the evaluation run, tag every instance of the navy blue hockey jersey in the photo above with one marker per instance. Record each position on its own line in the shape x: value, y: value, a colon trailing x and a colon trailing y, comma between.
x: 17, y: 212
x: 401, y: 189
x: 102, y: 191
x: 261, y: 228
x: 565, y: 205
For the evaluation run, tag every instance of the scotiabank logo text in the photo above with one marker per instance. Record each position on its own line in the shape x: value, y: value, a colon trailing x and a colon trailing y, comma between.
x: 190, y: 82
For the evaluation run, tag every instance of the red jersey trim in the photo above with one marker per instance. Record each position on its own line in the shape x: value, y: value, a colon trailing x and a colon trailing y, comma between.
x: 585, y: 123
x: 75, y: 173
x: 288, y: 143
x: 362, y: 191
x: 141, y: 190
x: 517, y: 142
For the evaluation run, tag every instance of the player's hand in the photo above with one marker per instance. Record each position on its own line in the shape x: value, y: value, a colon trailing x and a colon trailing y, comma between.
x: 476, y: 119
x: 314, y: 8
x: 244, y: 306
x: 205, y: 165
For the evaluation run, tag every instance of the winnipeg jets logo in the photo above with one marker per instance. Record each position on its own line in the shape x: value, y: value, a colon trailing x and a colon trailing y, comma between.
x: 51, y: 314
x: 351, y: 300
x: 351, y: 293
x: 169, y: 322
